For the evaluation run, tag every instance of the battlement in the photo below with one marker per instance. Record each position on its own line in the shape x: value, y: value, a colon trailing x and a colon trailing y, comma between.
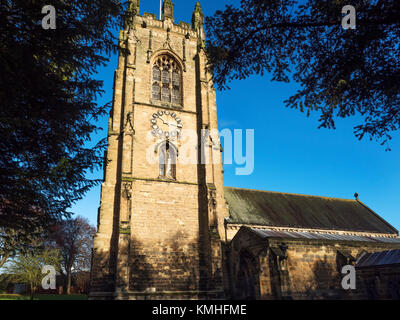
x: 150, y: 20
x: 167, y: 22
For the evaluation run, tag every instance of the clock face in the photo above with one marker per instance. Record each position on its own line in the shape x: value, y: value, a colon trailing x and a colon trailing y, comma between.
x: 166, y: 124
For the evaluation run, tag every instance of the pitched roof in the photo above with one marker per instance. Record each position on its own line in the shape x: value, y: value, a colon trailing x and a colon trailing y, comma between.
x: 255, y: 207
x: 382, y: 258
x: 263, y: 234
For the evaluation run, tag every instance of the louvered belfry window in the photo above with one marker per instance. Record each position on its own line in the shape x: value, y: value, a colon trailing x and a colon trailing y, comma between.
x: 167, y: 80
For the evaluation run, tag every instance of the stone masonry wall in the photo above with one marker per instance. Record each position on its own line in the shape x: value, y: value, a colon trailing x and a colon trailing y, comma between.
x: 157, y: 235
x: 314, y: 269
x: 311, y: 269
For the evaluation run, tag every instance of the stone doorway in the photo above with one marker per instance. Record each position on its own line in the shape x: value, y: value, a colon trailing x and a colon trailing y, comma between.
x: 247, y: 278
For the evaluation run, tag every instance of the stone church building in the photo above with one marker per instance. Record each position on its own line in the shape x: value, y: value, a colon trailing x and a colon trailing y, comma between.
x: 169, y: 229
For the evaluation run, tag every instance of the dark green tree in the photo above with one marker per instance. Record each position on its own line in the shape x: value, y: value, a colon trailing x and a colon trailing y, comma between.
x: 48, y: 107
x: 341, y: 72
x: 12, y: 242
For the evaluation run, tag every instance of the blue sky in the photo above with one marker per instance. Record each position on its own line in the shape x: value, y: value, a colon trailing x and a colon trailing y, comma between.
x: 291, y: 154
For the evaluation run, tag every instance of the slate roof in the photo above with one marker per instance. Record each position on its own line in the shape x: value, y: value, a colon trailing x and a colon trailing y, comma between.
x: 263, y: 234
x: 382, y: 258
x: 255, y: 207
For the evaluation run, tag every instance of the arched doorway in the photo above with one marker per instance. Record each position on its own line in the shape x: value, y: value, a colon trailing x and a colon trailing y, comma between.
x: 247, y: 277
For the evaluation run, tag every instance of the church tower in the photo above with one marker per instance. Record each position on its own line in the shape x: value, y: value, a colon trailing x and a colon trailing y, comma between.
x: 161, y: 218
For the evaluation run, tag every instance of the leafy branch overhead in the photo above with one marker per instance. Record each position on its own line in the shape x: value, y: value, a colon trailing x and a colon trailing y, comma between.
x: 48, y: 107
x: 341, y: 72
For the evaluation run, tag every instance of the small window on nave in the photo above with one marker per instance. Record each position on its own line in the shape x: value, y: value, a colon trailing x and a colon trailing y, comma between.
x: 167, y: 80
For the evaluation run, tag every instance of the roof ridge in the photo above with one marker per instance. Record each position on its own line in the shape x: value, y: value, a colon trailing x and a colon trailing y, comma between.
x: 278, y: 234
x: 291, y: 193
x: 377, y: 215
x: 312, y: 230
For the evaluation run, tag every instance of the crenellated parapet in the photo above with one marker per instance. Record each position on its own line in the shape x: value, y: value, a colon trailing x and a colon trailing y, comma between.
x: 149, y: 20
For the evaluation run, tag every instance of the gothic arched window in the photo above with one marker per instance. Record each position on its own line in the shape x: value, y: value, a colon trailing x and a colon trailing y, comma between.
x: 167, y: 80
x: 156, y: 91
x: 167, y: 158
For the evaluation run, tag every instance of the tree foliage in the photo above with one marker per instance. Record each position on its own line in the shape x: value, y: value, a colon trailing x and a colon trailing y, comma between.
x: 27, y: 267
x: 341, y: 72
x: 74, y: 239
x: 12, y: 242
x: 48, y: 106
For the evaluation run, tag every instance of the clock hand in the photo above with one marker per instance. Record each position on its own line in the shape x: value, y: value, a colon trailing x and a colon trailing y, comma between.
x: 163, y: 121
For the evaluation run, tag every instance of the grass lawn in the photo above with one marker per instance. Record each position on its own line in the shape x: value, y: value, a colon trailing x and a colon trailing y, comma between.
x: 44, y: 297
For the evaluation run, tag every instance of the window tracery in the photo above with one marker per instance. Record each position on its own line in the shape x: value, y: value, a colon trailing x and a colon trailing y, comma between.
x: 167, y: 80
